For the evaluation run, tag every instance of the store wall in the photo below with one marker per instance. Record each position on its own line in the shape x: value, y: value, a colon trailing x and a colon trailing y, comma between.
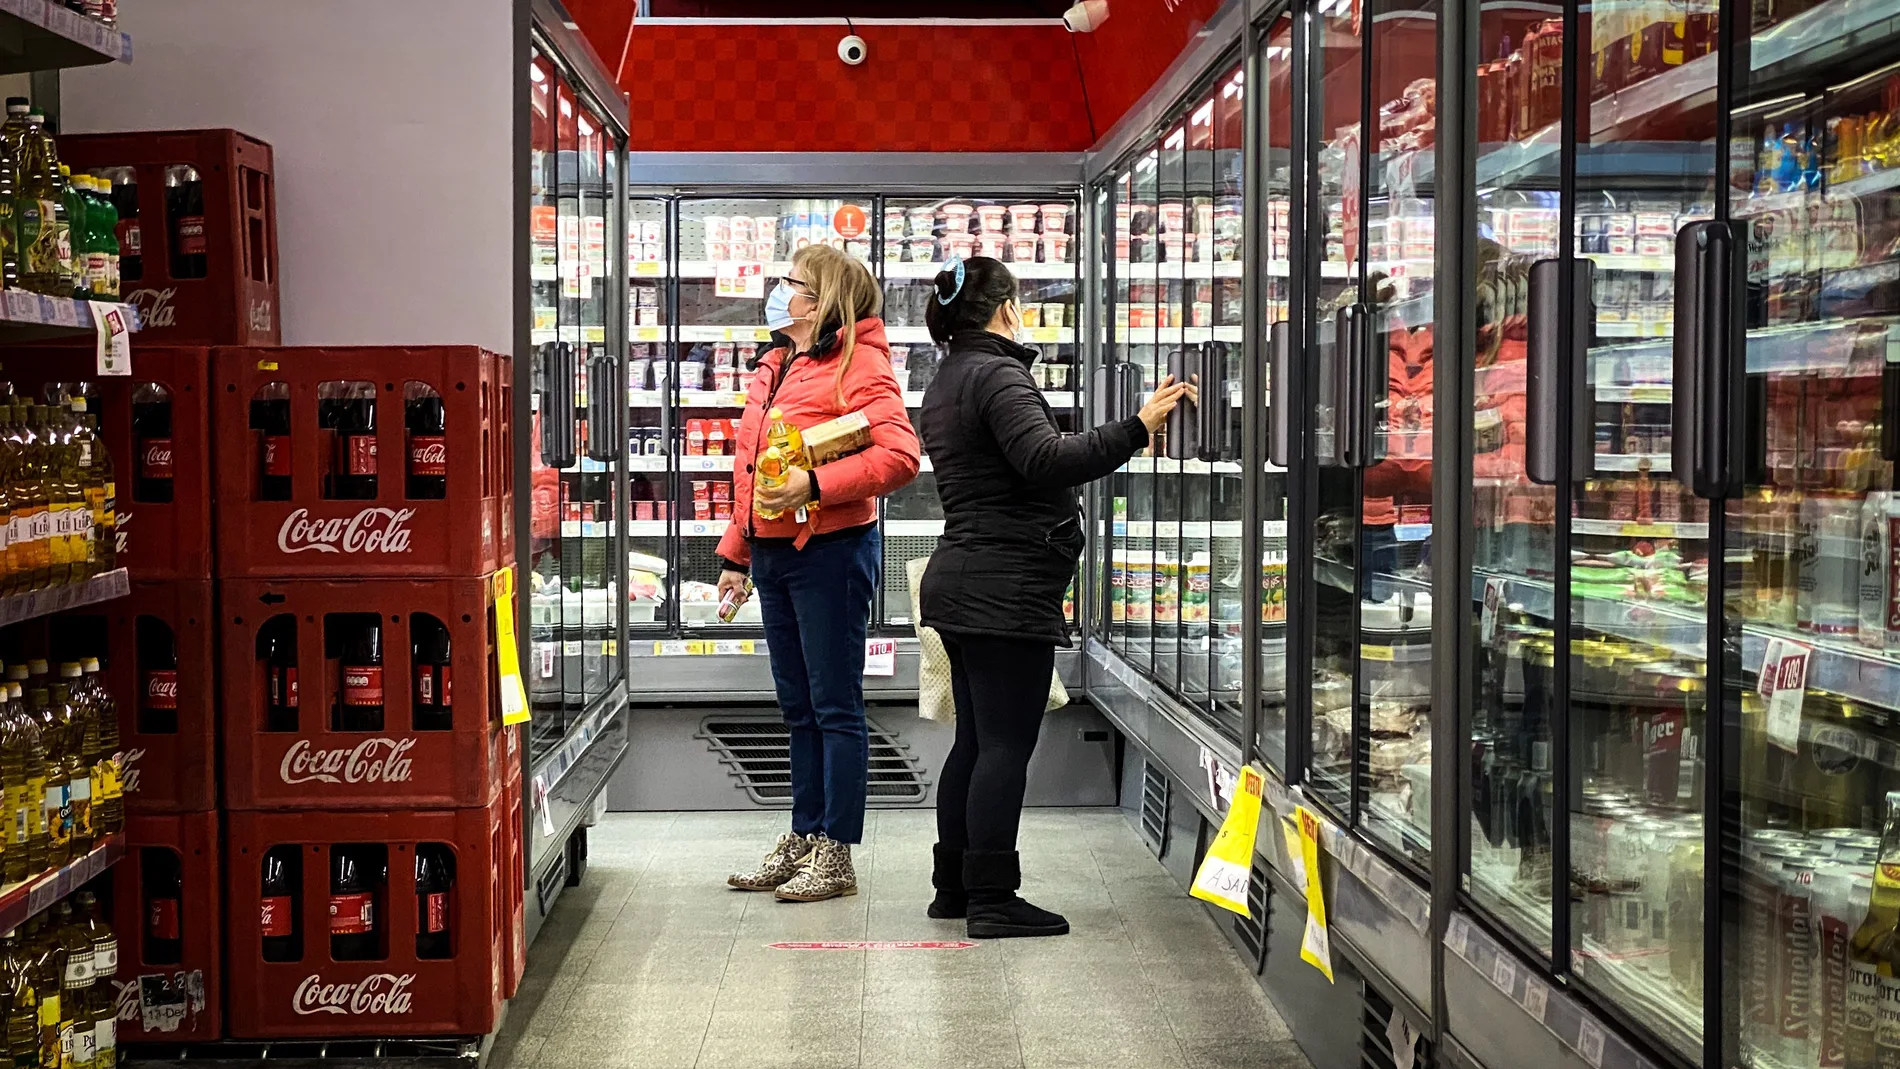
x: 392, y: 125
x: 728, y: 87
x: 1130, y: 52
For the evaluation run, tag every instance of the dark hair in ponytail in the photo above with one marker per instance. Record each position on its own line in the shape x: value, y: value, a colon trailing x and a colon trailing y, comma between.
x: 987, y: 286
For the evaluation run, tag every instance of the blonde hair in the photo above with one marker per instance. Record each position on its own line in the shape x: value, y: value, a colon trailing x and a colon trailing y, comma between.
x: 846, y: 293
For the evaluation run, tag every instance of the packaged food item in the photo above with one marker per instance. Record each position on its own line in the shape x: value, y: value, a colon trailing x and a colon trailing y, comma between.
x: 1023, y: 250
x: 695, y: 437
x: 1032, y: 315
x: 1022, y: 218
x: 993, y: 246
x: 956, y: 218
x: 1053, y: 314
x: 922, y: 250
x: 1055, y: 218
x: 836, y: 438
x: 773, y: 472
x: 718, y: 228
x: 991, y: 216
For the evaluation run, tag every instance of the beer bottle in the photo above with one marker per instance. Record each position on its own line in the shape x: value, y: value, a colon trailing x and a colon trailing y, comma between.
x: 109, y: 804
x: 77, y: 233
x: 76, y: 1037
x: 23, y: 1005
x: 360, y: 698
x: 279, y: 919
x: 353, y: 918
x: 162, y: 882
x: 54, y: 811
x: 435, y: 884
x: 1873, y: 992
x: 105, y: 965
x: 430, y: 654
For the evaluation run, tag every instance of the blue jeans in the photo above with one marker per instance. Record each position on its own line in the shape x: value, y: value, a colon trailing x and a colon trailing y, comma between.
x: 816, y: 605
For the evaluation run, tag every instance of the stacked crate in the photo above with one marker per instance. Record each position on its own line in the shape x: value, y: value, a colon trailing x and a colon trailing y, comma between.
x: 361, y: 774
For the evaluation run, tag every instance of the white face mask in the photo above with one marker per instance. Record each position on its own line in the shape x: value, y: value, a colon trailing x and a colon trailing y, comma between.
x: 1020, y: 333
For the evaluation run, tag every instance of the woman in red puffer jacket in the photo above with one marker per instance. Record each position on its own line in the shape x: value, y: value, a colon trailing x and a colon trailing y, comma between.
x: 816, y: 569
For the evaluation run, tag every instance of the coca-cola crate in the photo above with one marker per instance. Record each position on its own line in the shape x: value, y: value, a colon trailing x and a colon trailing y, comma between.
x: 391, y: 989
x: 514, y: 889
x: 297, y: 637
x: 165, y: 896
x: 278, y: 419
x: 205, y: 251
x: 157, y: 429
x: 157, y: 649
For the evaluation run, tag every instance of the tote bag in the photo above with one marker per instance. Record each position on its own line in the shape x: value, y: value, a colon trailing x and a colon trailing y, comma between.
x: 934, y: 698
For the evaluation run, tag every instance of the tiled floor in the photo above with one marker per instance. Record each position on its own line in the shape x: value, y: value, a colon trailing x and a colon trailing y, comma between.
x: 653, y: 963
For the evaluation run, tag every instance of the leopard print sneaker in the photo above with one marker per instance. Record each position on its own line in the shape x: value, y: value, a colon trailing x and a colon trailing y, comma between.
x: 825, y: 873
x: 780, y: 865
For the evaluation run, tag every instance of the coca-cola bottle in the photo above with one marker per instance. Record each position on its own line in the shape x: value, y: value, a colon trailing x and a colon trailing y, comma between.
x: 352, y: 908
x: 428, y: 475
x: 360, y: 699
x: 435, y: 885
x: 270, y: 415
x: 158, y: 677
x: 162, y: 882
x: 152, y: 439
x: 430, y: 653
x: 185, y: 218
x: 279, y: 641
x: 353, y: 473
x: 278, y: 914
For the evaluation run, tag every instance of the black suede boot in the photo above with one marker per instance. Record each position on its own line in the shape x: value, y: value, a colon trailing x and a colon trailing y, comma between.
x: 996, y: 911
x: 947, y: 877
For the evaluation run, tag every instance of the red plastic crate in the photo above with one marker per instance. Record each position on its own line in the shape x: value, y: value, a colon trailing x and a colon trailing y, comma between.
x: 156, y: 539
x: 514, y: 890
x: 398, y: 994
x: 467, y: 532
x: 317, y: 766
x: 235, y: 303
x: 165, y: 771
x: 170, y: 997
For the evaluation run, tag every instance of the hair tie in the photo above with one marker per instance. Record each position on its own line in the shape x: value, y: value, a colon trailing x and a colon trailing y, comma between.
x: 955, y: 264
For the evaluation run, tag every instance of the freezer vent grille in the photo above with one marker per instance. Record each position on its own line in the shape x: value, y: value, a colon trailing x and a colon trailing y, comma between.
x: 1375, y: 1047
x: 1252, y: 931
x: 1156, y: 794
x: 757, y: 752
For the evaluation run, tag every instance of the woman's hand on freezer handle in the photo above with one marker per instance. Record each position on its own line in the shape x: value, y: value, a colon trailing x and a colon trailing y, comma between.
x: 1155, y: 413
x: 734, y: 583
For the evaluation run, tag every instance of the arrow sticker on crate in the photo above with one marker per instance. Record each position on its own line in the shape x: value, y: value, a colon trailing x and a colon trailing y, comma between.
x: 514, y: 697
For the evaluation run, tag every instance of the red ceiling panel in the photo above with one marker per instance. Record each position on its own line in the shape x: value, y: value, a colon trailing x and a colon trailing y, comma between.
x: 1123, y: 58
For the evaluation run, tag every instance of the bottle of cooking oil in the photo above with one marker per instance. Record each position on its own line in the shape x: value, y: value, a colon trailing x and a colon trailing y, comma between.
x: 23, y: 1004
x: 790, y: 442
x: 31, y: 524
x: 54, y: 808
x: 44, y: 955
x: 32, y: 812
x: 76, y: 1036
x: 108, y: 804
x: 14, y: 758
x: 97, y: 480
x: 62, y: 487
x: 82, y: 735
x: 105, y: 965
x: 6, y: 498
x: 13, y: 580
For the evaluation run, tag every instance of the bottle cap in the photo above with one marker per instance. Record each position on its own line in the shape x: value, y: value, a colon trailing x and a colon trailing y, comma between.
x: 36, y: 667
x: 13, y: 689
x: 90, y: 664
x: 16, y: 671
x: 19, y: 104
x: 65, y: 171
x: 70, y: 670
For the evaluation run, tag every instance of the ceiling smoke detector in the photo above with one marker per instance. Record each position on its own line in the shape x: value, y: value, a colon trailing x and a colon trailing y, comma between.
x: 1086, y: 16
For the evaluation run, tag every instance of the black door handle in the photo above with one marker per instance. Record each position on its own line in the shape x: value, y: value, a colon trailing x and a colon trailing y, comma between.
x: 1552, y: 371
x: 1279, y: 401
x: 1707, y: 402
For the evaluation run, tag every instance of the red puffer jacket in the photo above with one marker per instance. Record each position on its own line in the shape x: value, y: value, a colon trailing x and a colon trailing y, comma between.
x: 848, y: 488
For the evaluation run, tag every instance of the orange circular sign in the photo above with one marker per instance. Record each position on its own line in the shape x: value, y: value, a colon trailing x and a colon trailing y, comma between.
x: 848, y: 221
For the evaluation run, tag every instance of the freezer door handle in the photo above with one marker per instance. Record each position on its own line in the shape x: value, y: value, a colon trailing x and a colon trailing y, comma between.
x: 1183, y: 428
x: 1279, y: 405
x: 1707, y: 397
x: 1357, y: 411
x: 1213, y: 407
x: 558, y: 373
x: 603, y: 387
x: 1553, y: 370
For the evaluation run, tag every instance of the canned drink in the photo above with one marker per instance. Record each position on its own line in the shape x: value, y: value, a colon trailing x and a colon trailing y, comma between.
x: 1840, y: 900
x: 1685, y: 916
x: 732, y: 600
x: 1793, y: 978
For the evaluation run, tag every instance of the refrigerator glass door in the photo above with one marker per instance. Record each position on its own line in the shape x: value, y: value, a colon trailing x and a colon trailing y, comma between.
x: 1813, y: 540
x: 648, y: 589
x: 594, y: 483
x: 1274, y: 286
x: 1218, y: 587
x: 544, y: 583
x: 1144, y: 544
x: 1174, y: 513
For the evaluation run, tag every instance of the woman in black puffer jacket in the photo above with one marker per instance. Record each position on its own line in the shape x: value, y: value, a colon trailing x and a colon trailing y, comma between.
x: 1012, y: 535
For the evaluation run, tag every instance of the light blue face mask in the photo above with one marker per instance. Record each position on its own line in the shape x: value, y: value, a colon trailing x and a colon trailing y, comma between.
x: 778, y: 306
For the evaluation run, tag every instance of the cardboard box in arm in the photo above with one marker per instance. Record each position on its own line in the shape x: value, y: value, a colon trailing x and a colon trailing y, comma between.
x: 836, y: 438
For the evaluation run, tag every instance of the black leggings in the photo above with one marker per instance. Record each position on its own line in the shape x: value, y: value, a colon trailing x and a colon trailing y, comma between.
x: 1000, y: 686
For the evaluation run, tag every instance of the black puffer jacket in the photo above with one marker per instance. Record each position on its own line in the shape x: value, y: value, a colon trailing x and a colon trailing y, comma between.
x: 1007, y: 475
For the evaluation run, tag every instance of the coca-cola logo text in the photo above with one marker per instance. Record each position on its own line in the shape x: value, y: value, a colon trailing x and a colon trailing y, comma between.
x: 155, y: 306
x: 129, y: 769
x: 385, y: 993
x: 375, y: 760
x: 372, y: 530
x: 261, y: 316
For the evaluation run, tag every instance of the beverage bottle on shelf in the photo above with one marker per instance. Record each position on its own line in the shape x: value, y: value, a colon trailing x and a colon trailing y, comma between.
x: 40, y: 212
x: 270, y: 414
x: 102, y: 242
x: 185, y: 220
x: 435, y: 884
x: 158, y: 677
x: 55, y: 811
x: 47, y: 970
x: 76, y: 766
x: 428, y: 460
x: 122, y: 185
x: 280, y: 674
x: 105, y: 965
x: 360, y: 698
x: 353, y: 475
x: 352, y: 908
x: 431, y: 656
x: 78, y: 234
x: 23, y: 1004
x: 9, y: 226
x: 152, y: 441
x: 68, y: 501
x: 34, y: 486
x: 108, y: 804
x: 76, y: 1038
x: 1874, y: 955
x: 1880, y: 571
x: 25, y: 800
x: 100, y: 483
x: 162, y: 882
x: 9, y: 567
x: 278, y: 917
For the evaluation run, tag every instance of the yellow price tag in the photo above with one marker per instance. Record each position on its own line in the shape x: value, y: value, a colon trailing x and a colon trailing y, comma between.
x: 514, y: 697
x: 1045, y: 334
x: 267, y: 365
x: 1315, y: 949
x: 646, y: 334
x: 647, y: 269
x: 1377, y: 653
x: 1226, y: 870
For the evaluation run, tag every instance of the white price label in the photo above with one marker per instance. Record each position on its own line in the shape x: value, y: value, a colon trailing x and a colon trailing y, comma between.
x: 1536, y: 999
x: 880, y: 657
x: 740, y: 279
x: 1504, y: 973
x: 1783, y: 684
x: 1493, y: 601
x: 1590, y: 1043
x: 1457, y: 935
x: 114, y: 338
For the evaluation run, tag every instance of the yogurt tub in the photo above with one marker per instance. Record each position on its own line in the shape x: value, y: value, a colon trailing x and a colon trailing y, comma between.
x: 718, y: 228
x: 992, y: 216
x: 858, y: 249
x: 893, y: 223
x: 718, y: 250
x: 765, y: 228
x: 923, y: 222
x: 740, y: 227
x: 1055, y: 218
x: 1023, y: 250
x: 893, y: 250
x: 1054, y: 314
x: 1058, y: 375
x: 991, y: 245
x: 956, y: 218
x: 652, y: 230
x: 1032, y: 315
x: 1173, y: 214
x: 1022, y: 218
x: 760, y: 250
x: 1055, y: 248
x: 962, y: 246
x: 922, y: 251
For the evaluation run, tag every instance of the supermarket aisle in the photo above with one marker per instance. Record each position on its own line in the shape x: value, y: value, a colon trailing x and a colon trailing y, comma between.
x: 655, y: 964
